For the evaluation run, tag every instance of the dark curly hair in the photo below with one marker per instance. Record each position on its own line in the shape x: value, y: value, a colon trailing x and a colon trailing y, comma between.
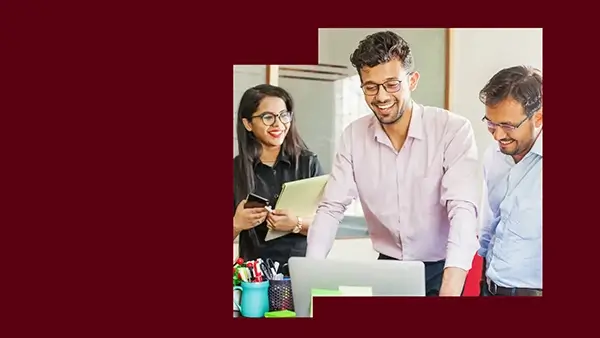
x: 521, y: 83
x: 382, y: 47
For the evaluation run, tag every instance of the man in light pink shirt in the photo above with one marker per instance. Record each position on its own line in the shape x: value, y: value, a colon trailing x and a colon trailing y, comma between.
x: 414, y: 168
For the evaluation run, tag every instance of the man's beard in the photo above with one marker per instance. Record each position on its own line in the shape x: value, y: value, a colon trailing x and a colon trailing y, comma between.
x: 395, y: 118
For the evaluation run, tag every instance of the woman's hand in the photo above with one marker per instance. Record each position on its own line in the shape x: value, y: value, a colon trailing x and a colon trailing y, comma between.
x: 281, y: 220
x: 246, y: 219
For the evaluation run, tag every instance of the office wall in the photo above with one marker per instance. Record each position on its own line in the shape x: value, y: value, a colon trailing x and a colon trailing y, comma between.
x: 315, y: 115
x: 317, y: 102
x: 244, y: 77
x: 318, y: 105
x: 314, y: 107
x: 428, y: 45
x: 477, y: 54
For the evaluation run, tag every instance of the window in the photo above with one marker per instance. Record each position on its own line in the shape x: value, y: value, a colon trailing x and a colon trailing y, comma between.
x: 350, y: 106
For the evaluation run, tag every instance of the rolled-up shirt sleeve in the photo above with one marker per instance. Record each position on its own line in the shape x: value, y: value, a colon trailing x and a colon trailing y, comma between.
x: 461, y: 195
x: 339, y: 192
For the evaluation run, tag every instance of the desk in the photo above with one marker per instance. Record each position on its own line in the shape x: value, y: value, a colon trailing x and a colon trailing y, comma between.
x: 353, y: 243
x: 344, y: 247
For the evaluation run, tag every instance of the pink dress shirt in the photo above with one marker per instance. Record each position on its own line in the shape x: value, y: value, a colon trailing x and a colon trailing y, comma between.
x: 420, y: 203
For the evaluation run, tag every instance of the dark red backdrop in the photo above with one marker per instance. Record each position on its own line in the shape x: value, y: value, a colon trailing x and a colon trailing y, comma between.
x: 118, y: 170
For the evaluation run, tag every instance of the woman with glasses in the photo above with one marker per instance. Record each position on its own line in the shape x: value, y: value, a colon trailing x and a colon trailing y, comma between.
x: 271, y: 153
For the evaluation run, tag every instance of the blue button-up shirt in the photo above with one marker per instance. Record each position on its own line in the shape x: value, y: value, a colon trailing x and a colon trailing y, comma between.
x: 511, y: 233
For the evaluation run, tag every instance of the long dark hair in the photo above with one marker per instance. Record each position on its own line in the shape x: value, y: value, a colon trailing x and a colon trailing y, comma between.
x: 249, y: 148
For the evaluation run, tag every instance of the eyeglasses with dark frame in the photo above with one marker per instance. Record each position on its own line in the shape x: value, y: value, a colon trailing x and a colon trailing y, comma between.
x: 268, y: 119
x: 390, y: 86
x: 506, y: 127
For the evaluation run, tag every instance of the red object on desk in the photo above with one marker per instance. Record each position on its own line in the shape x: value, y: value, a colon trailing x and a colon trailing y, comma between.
x: 256, y: 272
x: 474, y: 277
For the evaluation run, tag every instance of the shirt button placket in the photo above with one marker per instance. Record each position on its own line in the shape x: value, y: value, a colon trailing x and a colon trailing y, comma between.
x: 399, y: 174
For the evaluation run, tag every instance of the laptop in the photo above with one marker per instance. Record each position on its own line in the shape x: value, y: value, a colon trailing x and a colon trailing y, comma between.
x: 384, y: 277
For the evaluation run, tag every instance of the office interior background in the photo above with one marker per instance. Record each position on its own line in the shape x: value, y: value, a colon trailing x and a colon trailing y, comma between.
x: 454, y: 65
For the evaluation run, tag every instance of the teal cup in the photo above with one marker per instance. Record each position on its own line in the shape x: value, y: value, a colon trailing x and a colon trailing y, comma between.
x: 255, y: 299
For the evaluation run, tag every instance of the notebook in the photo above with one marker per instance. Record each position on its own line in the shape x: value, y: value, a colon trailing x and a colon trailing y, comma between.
x: 301, y: 197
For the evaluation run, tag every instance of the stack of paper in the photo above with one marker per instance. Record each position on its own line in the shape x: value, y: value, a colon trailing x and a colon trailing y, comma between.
x: 356, y: 291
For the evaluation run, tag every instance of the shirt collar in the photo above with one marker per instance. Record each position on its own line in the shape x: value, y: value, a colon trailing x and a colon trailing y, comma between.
x: 415, y: 127
x: 281, y: 157
x: 537, y: 146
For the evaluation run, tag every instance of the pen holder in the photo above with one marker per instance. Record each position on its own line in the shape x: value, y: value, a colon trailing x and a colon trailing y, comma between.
x: 280, y: 295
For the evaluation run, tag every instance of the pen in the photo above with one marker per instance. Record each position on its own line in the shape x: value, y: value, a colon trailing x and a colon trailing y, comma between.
x: 258, y: 277
x: 250, y: 272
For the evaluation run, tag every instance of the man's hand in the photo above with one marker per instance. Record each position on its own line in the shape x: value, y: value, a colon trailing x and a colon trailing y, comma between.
x: 453, y: 282
x: 282, y: 220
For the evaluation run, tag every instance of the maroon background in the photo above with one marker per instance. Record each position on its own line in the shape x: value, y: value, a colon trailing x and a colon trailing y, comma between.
x: 117, y: 168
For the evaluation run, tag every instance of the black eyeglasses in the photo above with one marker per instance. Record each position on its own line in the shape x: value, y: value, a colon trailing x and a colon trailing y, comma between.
x: 390, y: 86
x: 372, y: 89
x: 269, y: 118
x: 506, y: 127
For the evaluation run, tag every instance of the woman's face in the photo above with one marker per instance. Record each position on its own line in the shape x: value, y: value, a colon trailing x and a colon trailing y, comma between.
x: 266, y: 123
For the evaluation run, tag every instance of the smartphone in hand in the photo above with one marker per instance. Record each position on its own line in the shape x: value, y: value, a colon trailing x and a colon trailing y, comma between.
x: 255, y: 201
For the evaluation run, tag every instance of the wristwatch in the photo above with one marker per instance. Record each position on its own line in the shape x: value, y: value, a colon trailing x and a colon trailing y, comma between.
x: 298, y: 227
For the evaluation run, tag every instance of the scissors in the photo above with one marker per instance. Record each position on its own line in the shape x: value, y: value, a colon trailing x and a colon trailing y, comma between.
x: 266, y: 270
x: 272, y: 265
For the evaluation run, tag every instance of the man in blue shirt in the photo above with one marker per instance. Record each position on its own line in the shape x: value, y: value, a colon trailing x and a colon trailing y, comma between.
x: 511, y: 234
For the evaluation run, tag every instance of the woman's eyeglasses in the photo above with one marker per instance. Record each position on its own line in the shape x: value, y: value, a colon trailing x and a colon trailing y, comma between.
x: 506, y: 127
x: 269, y: 118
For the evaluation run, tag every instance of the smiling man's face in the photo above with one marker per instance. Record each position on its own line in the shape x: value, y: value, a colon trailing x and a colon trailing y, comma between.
x: 387, y: 88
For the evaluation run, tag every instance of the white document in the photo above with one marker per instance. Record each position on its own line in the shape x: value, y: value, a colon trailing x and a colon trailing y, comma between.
x: 301, y: 197
x: 356, y: 291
